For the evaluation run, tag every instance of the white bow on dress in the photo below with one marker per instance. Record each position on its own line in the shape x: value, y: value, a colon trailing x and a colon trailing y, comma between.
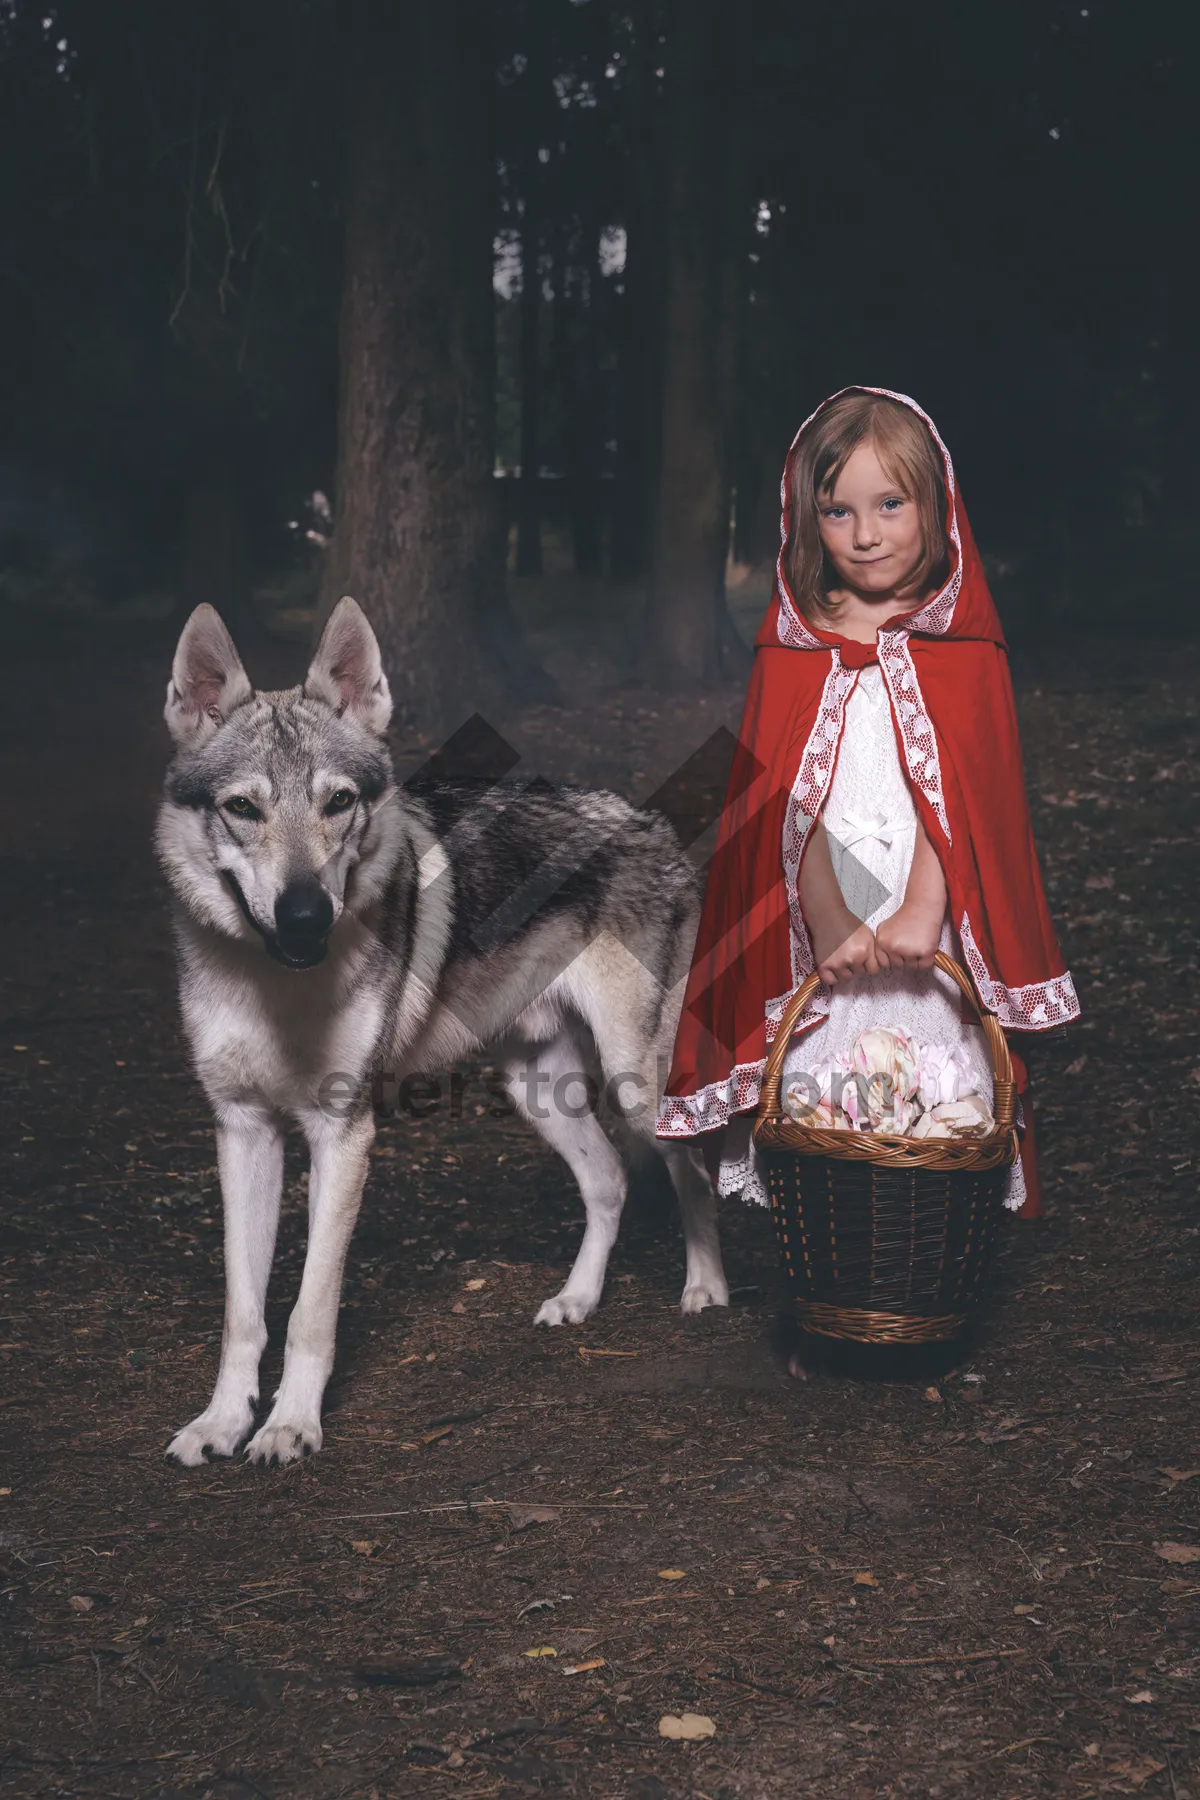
x: 869, y: 825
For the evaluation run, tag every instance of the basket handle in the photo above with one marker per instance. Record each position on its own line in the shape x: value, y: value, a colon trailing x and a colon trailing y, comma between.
x: 1004, y: 1095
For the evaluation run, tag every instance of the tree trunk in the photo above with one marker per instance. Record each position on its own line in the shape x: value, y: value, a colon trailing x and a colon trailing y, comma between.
x: 641, y: 333
x: 419, y: 538
x: 748, y: 482
x: 536, y: 97
x: 689, y: 627
x: 584, y: 421
x: 529, y: 514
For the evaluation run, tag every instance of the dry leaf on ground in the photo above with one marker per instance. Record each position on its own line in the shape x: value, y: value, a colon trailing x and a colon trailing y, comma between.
x: 1143, y: 1697
x: 536, y: 1606
x: 1177, y: 1475
x: 864, y: 1578
x: 542, y: 1650
x: 522, y: 1517
x: 686, y: 1725
x: 671, y: 1574
x: 1138, y: 1773
x: 1178, y: 1553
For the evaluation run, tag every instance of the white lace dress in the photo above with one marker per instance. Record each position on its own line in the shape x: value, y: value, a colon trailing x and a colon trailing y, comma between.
x: 871, y: 823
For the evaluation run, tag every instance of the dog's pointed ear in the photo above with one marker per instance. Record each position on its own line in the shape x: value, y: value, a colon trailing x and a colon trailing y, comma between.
x: 347, y: 671
x: 207, y: 679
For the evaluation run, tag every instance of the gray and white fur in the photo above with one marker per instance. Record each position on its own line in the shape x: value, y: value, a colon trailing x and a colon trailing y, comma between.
x: 330, y: 923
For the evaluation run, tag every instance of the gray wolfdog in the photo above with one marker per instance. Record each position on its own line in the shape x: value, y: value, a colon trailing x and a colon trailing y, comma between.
x: 332, y: 926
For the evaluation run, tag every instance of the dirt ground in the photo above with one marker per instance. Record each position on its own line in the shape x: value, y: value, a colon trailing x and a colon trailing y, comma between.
x: 979, y: 1582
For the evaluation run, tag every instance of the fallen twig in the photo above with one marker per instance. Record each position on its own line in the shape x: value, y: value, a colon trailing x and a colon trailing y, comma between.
x: 759, y: 1687
x: 913, y: 1662
x: 1021, y: 1744
x: 257, y: 1600
x: 86, y: 1536
x: 479, y: 1505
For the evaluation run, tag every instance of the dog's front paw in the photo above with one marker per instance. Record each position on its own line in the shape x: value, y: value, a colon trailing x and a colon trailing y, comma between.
x: 217, y: 1432
x: 285, y: 1441
x: 566, y: 1309
x: 699, y: 1294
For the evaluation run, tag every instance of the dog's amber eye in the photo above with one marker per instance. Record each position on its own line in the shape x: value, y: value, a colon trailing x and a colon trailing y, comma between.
x: 341, y: 800
x: 241, y: 808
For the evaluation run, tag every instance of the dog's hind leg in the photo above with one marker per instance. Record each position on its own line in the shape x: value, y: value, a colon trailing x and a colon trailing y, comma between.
x: 552, y: 1090
x: 339, y: 1169
x: 634, y: 1067
x: 704, y: 1282
x: 250, y: 1159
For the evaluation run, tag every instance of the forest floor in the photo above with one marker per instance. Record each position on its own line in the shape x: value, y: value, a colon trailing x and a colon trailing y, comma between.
x: 980, y: 1583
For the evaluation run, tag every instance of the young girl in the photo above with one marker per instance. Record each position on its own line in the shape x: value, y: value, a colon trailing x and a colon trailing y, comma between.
x: 876, y: 810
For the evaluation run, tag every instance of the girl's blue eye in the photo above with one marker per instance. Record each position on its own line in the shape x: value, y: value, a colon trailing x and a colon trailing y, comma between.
x: 891, y: 503
x: 835, y: 512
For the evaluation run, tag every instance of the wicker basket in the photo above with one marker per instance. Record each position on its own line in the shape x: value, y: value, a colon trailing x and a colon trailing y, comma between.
x: 885, y: 1239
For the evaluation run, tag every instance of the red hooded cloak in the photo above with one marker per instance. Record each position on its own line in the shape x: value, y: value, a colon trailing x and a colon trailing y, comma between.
x: 945, y: 668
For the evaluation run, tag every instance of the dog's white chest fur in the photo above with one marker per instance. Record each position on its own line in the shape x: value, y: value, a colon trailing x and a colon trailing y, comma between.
x: 272, y: 1036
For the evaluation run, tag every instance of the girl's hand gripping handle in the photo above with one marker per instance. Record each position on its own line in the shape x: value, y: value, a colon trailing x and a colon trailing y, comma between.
x: 842, y: 945
x: 909, y: 938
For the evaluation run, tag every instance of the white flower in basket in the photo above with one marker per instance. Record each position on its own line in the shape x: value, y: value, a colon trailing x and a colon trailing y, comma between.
x: 808, y: 1102
x: 968, y: 1117
x: 942, y: 1074
x: 834, y: 1098
x: 847, y: 1094
x: 799, y: 1105
x: 888, y: 1060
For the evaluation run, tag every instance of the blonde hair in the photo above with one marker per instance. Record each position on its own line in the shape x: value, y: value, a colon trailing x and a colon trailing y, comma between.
x: 911, y: 459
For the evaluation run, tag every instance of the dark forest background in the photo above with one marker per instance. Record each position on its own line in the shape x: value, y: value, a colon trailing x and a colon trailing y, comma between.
x: 542, y: 288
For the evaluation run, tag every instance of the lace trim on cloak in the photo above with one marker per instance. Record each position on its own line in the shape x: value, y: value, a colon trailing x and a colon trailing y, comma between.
x: 1041, y: 1006
x: 916, y: 727
x: 684, y: 1115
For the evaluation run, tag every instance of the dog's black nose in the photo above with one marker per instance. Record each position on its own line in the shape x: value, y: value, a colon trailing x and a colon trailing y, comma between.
x: 304, y: 910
